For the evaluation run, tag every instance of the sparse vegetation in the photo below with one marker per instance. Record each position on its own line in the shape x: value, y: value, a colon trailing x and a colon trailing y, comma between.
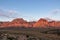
x: 39, y: 33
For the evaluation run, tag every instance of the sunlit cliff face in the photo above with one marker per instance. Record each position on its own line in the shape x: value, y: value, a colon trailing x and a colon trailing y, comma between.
x: 41, y: 23
x: 19, y: 22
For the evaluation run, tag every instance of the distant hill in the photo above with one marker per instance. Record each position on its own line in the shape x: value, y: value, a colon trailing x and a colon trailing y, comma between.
x: 21, y: 22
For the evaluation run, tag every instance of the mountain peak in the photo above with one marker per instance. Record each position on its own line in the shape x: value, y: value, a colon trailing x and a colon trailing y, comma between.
x: 42, y: 22
x: 19, y: 20
x: 42, y: 19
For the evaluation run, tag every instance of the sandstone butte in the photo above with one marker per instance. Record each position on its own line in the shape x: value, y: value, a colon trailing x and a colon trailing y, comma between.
x: 20, y: 22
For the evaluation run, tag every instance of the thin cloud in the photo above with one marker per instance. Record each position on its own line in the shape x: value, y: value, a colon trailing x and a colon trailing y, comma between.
x: 54, y: 14
x: 8, y: 13
x: 12, y: 12
x: 56, y: 11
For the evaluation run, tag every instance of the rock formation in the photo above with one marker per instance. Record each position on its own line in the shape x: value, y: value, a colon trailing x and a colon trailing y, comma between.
x: 19, y: 22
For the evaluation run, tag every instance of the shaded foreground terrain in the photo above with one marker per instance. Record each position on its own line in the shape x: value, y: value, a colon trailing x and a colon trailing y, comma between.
x: 22, y: 33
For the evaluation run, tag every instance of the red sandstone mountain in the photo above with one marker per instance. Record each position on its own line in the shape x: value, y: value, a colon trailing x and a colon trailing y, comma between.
x: 41, y: 23
x: 45, y: 23
x: 19, y: 22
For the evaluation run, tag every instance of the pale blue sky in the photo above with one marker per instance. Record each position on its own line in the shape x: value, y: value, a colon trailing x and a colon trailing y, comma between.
x: 29, y: 9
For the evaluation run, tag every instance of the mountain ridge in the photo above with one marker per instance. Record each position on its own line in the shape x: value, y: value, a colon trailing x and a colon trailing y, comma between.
x: 23, y: 23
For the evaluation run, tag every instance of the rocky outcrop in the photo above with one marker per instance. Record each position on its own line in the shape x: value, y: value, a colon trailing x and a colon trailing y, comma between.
x: 45, y: 23
x: 19, y: 22
x: 41, y: 23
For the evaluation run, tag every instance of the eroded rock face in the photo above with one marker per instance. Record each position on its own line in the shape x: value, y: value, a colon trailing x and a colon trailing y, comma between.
x: 41, y: 23
x: 23, y: 23
x: 45, y: 23
x: 17, y: 22
x: 4, y: 24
